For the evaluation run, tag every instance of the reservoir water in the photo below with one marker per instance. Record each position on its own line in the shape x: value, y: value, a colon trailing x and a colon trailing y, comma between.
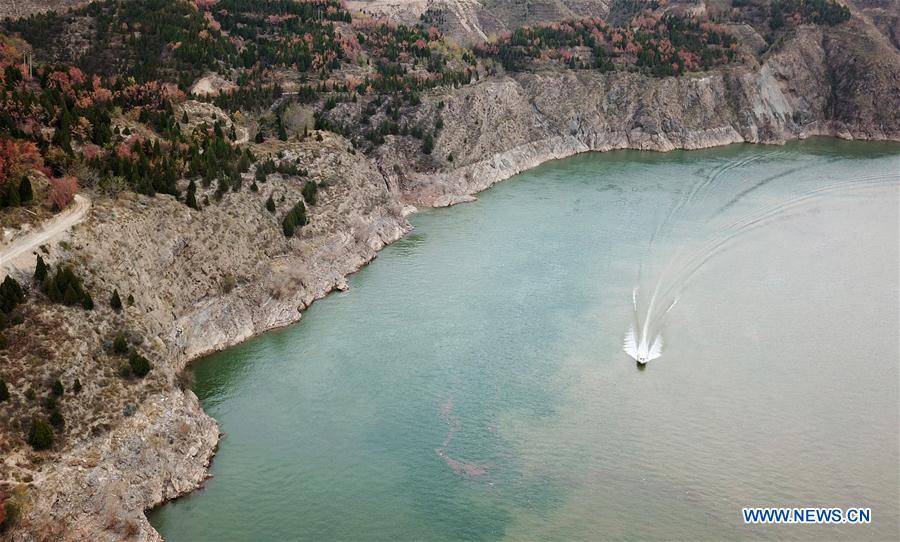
x: 471, y: 385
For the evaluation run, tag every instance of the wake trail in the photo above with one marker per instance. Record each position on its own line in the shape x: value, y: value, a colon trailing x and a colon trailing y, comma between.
x: 643, y: 341
x: 742, y: 227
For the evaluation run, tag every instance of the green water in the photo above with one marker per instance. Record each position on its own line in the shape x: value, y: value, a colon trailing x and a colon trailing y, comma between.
x: 472, y: 385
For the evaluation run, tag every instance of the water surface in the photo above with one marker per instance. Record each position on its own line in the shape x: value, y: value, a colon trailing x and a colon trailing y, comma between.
x: 472, y: 384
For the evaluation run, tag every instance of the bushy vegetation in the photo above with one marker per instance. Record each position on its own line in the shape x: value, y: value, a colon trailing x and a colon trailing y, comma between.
x: 660, y: 45
x: 794, y: 12
x: 145, y: 40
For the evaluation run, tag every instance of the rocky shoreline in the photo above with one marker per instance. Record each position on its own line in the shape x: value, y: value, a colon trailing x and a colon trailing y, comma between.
x: 207, y: 281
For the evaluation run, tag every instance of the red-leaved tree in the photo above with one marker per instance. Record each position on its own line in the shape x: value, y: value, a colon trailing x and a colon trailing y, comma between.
x: 16, y: 158
x: 62, y: 192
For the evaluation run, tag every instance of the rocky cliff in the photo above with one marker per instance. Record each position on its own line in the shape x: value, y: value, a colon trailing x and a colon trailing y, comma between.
x: 843, y: 82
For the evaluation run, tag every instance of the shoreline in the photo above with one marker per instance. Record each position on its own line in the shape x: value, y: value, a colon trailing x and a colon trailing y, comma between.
x: 236, y: 342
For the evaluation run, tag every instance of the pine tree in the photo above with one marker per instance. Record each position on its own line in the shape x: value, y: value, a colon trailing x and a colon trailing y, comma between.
x: 184, y: 118
x: 4, y: 391
x: 270, y: 204
x: 76, y: 387
x: 259, y: 137
x: 11, y: 294
x: 115, y: 302
x: 57, y: 388
x: 51, y: 288
x: 130, y: 300
x: 26, y: 193
x: 40, y: 436
x: 12, y: 196
x: 87, y: 302
x: 56, y: 418
x: 288, y: 225
x: 428, y: 144
x: 139, y: 365
x: 191, y: 198
x: 309, y: 192
x: 40, y: 270
x: 71, y: 296
x: 120, y: 344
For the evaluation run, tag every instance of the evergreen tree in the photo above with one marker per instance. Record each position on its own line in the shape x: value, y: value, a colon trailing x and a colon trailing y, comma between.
x: 191, y: 198
x: 130, y: 300
x: 139, y: 365
x: 309, y: 192
x: 115, y: 302
x: 51, y: 288
x: 184, y: 118
x: 11, y: 294
x: 57, y: 388
x: 259, y: 137
x: 12, y: 196
x: 428, y: 144
x: 71, y: 296
x: 270, y: 204
x: 87, y: 302
x: 295, y: 218
x: 26, y: 193
x: 288, y: 225
x: 76, y: 387
x: 40, y: 436
x: 40, y: 270
x: 4, y: 391
x: 56, y: 418
x: 120, y: 344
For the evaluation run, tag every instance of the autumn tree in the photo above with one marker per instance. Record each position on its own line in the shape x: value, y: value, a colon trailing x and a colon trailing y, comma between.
x: 62, y: 191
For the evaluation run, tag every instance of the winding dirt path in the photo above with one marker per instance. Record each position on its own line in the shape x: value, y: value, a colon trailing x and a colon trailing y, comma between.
x: 17, y: 255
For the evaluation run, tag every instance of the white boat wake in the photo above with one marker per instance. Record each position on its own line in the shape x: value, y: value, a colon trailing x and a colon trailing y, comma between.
x: 644, y: 341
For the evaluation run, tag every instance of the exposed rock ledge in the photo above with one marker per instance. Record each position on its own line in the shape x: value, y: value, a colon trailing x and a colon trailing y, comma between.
x: 502, y: 127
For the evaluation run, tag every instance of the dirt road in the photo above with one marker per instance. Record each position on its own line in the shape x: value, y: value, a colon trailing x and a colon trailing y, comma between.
x: 17, y: 255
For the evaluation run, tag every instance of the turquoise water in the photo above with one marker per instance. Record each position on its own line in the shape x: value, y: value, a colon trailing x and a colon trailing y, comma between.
x: 471, y: 385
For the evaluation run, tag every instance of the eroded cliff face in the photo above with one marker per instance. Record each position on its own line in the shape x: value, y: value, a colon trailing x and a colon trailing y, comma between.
x: 206, y: 280
x: 202, y: 281
x: 843, y: 83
